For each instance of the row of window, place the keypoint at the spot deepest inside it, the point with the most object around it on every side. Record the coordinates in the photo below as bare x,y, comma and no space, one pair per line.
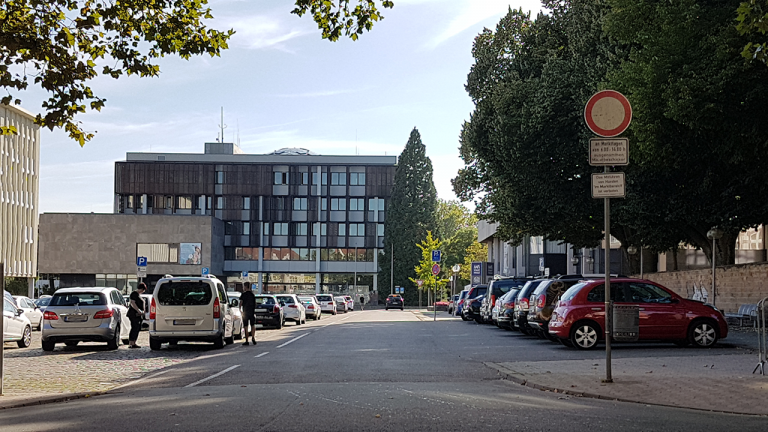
337,179
299,254
202,202
300,229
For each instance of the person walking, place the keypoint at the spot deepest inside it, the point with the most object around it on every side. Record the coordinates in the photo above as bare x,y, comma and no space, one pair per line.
362,303
136,314
248,307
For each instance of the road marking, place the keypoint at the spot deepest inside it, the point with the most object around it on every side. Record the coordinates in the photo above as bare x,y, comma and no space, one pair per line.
212,376
344,319
141,379
262,354
292,340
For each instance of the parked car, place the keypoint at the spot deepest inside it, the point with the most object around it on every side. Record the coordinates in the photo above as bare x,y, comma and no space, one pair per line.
43,303
341,303
350,303
452,304
16,325
31,310
312,307
268,311
237,314
460,302
543,300
394,301
293,308
327,304
520,314
579,317
472,308
505,307
468,313
190,309
90,314
9,297
496,289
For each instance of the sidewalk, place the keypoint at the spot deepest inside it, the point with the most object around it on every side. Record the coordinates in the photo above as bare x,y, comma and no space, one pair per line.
722,383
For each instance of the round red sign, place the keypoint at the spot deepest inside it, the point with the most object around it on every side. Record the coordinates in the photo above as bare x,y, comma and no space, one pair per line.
608,113
436,269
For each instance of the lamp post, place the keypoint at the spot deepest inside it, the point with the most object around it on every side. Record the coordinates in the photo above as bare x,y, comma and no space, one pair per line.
631,250
714,234
575,262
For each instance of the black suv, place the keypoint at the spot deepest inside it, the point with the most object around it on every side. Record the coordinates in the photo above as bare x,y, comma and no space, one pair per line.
543,300
471,309
269,312
496,289
520,315
394,301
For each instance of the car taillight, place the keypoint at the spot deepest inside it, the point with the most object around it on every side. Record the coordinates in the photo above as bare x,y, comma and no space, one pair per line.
540,301
461,302
310,307
524,304
51,316
216,308
106,313
152,309
293,306
493,300
509,305
276,309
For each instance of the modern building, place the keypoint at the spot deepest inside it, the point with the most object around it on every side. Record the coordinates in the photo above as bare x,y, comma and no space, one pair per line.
293,221
19,186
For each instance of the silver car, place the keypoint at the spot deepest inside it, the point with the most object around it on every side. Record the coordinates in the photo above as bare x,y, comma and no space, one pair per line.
85,314
312,307
31,310
327,304
293,308
16,326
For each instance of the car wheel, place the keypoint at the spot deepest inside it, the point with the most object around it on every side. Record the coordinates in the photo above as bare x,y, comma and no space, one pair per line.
386,308
71,343
585,335
229,340
464,318
218,343
114,343
280,324
239,336
40,324
702,334
126,341
154,344
26,338
48,345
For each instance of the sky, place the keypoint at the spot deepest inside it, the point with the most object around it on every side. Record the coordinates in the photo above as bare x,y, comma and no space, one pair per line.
281,85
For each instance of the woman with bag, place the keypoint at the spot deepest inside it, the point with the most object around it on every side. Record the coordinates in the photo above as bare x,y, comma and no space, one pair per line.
136,314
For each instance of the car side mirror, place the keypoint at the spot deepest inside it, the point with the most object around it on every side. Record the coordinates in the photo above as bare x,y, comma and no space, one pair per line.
19,312
282,303
234,303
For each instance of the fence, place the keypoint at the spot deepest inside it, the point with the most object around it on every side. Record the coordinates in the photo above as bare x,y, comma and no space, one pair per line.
762,336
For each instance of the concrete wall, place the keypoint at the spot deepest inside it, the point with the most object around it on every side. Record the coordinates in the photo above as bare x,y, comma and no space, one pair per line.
106,243
736,284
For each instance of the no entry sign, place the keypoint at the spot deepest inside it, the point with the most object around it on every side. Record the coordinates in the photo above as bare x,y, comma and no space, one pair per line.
608,113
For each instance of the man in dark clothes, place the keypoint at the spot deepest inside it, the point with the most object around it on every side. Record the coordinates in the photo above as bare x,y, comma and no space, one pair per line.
136,314
248,306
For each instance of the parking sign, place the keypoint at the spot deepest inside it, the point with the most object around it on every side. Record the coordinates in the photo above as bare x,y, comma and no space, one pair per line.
205,271
436,255
141,261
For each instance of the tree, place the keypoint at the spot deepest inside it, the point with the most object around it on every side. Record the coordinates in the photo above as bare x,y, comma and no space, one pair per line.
431,283
456,226
752,17
61,45
410,215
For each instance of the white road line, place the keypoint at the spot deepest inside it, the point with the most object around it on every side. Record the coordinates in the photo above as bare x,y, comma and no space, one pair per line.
141,379
262,354
292,340
212,376
344,319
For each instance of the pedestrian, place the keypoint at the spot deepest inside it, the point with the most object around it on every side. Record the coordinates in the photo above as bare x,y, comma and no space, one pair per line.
248,308
136,314
362,302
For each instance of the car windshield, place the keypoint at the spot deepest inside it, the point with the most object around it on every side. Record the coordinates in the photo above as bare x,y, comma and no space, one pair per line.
325,298
340,299
505,285
43,301
266,301
286,299
572,291
80,299
307,300
184,293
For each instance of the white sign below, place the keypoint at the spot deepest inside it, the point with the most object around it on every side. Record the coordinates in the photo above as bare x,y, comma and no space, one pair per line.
608,151
608,185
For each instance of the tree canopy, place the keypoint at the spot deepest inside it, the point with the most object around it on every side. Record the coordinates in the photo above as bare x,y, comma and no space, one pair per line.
61,45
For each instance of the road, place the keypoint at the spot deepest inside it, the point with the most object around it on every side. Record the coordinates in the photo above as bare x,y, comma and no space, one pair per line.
372,370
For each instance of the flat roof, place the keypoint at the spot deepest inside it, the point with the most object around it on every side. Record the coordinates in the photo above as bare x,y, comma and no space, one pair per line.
270,159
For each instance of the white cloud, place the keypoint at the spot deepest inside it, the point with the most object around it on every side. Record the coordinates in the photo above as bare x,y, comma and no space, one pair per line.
258,32
317,94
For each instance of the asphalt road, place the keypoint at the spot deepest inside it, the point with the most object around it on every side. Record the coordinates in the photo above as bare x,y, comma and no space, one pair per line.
373,370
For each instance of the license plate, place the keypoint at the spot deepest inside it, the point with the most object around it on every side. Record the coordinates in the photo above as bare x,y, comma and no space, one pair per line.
261,317
260,310
184,322
76,318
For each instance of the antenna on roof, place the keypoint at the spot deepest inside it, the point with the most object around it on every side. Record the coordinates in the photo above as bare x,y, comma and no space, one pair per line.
222,125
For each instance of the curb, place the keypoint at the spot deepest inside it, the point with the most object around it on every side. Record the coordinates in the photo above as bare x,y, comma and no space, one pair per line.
49,400
513,376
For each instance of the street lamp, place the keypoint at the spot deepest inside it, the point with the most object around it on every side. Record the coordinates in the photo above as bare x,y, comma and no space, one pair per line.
456,268
633,250
714,234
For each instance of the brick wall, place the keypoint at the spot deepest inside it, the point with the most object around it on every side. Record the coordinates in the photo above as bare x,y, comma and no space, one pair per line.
736,284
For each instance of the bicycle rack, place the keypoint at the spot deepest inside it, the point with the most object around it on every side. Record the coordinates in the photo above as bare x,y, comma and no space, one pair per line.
762,336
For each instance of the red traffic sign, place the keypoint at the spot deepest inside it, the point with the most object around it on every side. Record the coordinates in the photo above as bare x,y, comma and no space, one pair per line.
436,269
420,282
608,113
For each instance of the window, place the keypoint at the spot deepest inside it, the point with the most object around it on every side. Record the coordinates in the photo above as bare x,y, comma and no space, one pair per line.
315,228
300,229
183,293
339,204
357,204
304,178
246,228
229,228
357,179
163,202
265,228
219,177
537,245
184,202
380,230
375,204
324,178
158,252
246,254
324,204
299,203
338,179
647,293
342,230
356,230
246,203
279,203
281,178
280,228
220,203
597,295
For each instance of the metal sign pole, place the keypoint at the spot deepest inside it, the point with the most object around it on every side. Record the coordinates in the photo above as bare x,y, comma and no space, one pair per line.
2,318
434,303
608,377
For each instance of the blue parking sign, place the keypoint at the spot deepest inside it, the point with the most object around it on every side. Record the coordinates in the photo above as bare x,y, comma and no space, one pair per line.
436,255
205,271
141,261
245,274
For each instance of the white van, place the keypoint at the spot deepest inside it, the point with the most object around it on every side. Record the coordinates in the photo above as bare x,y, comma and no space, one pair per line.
190,309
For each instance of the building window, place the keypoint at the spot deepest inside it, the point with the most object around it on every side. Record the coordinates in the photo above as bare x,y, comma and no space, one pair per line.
342,230
220,203
265,228
324,178
338,204
324,204
357,179
246,228
246,203
375,204
537,244
299,203
300,229
219,177
357,203
280,228
338,179
159,252
184,202
281,178
229,228
280,203
380,230
246,254
356,230
304,178
315,228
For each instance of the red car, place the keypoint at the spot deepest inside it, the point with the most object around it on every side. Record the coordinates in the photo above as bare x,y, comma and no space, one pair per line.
579,316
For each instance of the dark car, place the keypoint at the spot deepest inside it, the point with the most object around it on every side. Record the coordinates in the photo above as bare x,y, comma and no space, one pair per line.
543,300
460,302
468,313
452,303
506,306
269,313
496,289
472,308
394,301
520,314
579,318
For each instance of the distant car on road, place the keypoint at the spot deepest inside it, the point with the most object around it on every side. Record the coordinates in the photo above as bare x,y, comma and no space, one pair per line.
452,304
312,307
460,302
341,304
17,327
293,308
31,310
327,304
471,313
43,303
394,301
268,311
350,303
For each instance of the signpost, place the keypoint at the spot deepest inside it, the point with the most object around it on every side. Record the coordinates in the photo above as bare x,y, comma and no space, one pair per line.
608,114
435,269
435,272
205,271
2,349
245,274
436,255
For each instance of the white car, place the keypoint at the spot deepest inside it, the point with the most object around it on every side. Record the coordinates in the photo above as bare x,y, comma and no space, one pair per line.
312,307
293,308
237,315
16,326
350,303
31,310
326,303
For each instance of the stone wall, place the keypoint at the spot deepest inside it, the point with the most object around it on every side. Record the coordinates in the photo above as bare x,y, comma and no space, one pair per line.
736,284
